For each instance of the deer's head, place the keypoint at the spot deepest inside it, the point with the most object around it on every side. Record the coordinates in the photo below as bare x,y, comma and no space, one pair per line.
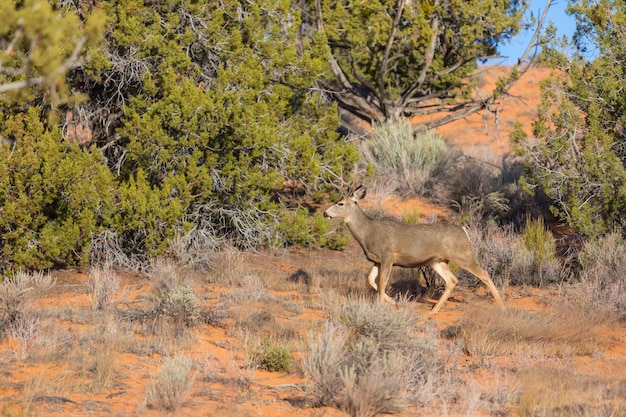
347,205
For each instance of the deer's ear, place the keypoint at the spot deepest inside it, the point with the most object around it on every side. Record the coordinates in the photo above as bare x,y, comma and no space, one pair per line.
358,193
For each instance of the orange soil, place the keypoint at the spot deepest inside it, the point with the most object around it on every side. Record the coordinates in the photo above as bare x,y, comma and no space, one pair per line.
485,135
25,385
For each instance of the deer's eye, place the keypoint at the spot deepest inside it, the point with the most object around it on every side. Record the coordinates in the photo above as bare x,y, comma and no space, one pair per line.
340,204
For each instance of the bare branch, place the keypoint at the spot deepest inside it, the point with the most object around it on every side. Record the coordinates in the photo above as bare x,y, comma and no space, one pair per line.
71,62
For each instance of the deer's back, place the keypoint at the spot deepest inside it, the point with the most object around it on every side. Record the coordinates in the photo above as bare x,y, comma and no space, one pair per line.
416,244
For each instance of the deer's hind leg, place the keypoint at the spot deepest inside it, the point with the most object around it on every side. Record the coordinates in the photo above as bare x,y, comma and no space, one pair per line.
484,277
444,271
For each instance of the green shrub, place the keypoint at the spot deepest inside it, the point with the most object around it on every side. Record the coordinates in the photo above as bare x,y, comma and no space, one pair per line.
179,306
540,242
55,195
300,228
272,358
214,136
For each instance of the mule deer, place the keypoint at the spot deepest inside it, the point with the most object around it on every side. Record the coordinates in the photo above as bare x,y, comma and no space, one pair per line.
388,243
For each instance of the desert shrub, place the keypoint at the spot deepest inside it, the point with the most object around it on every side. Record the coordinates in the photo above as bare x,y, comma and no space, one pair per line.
514,259
195,249
170,388
271,357
108,252
103,285
180,306
474,190
496,249
172,308
16,291
395,152
538,239
366,360
477,208
540,243
325,356
602,288
202,142
25,332
55,197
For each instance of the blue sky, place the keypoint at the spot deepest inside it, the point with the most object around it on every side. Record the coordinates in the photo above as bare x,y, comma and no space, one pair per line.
565,25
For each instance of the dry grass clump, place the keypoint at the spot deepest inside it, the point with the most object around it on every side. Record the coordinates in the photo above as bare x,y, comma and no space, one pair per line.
103,285
367,360
565,393
228,264
26,335
602,288
195,249
170,388
558,332
246,289
17,290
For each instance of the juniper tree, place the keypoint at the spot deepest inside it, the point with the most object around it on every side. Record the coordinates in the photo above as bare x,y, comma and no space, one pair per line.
392,59
579,151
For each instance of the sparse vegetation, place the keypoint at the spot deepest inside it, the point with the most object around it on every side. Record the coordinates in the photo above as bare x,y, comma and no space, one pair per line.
104,285
557,332
170,388
178,148
366,360
362,358
602,289
16,290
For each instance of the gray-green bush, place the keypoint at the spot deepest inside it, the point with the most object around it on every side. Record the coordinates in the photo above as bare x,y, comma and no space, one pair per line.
170,388
367,360
408,161
602,288
510,259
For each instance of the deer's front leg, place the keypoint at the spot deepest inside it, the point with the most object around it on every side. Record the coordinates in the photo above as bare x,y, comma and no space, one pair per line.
383,278
371,278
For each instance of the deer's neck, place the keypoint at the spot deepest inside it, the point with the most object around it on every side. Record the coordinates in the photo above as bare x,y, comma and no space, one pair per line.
359,224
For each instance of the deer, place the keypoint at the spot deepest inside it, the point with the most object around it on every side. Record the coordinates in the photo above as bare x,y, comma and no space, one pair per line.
389,243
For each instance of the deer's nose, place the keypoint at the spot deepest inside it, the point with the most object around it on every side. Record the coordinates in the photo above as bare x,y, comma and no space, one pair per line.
326,215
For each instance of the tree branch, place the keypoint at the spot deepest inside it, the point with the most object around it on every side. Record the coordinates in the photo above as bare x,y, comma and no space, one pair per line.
70,63
428,59
509,83
382,70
